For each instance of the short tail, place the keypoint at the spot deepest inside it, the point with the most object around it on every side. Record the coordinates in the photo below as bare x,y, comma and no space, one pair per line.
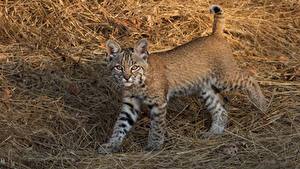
219,19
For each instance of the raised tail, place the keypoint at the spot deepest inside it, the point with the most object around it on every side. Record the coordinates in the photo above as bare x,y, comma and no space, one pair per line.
219,19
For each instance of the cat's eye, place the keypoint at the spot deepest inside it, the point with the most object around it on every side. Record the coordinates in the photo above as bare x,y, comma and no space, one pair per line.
134,67
118,67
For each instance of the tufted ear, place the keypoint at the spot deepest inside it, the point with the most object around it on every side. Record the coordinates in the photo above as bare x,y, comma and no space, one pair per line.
112,47
141,49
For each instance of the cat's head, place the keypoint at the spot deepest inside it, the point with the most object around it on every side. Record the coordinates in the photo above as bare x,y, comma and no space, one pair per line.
128,65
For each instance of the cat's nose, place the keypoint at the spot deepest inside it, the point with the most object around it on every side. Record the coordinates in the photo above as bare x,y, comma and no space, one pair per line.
126,77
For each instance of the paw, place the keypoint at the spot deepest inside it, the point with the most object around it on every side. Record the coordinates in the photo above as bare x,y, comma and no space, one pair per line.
264,105
207,135
210,134
107,149
153,147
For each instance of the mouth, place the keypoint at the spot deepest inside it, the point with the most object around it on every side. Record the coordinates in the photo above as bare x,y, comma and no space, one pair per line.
127,84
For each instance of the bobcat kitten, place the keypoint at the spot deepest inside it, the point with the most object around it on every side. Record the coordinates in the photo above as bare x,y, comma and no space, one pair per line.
203,66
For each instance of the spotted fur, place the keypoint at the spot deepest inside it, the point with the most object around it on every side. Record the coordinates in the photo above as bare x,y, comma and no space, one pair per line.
204,66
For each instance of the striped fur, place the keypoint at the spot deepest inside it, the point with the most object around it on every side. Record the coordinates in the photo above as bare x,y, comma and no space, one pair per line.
128,116
204,66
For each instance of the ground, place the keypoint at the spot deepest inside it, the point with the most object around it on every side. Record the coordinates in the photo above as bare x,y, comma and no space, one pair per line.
58,102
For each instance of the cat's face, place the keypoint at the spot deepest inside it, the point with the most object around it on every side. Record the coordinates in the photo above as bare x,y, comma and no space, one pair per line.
128,66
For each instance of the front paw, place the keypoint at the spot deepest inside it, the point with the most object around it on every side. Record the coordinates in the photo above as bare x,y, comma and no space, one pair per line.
153,147
207,135
108,149
211,134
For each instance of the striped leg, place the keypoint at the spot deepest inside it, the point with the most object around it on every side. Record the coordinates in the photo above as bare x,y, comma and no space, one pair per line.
213,102
158,124
125,121
255,94
247,83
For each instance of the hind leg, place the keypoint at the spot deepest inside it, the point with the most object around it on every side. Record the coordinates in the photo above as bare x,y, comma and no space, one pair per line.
247,83
214,105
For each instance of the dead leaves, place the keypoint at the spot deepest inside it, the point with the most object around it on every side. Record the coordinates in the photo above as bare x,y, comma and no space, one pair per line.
232,149
73,89
6,95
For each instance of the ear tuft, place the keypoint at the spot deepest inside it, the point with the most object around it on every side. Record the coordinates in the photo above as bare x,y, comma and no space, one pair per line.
141,48
112,47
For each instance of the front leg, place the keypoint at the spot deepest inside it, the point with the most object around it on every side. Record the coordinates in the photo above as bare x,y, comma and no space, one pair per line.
125,121
158,124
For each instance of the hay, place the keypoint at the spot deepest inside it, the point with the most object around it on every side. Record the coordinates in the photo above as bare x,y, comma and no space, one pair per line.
58,102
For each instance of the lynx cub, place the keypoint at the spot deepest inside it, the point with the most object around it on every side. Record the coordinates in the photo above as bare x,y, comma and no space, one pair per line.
201,66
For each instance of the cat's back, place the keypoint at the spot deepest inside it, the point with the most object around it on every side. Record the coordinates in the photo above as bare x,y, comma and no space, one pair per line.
200,49
193,60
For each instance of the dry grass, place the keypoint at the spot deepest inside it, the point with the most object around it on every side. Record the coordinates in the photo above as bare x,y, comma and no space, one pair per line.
58,102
